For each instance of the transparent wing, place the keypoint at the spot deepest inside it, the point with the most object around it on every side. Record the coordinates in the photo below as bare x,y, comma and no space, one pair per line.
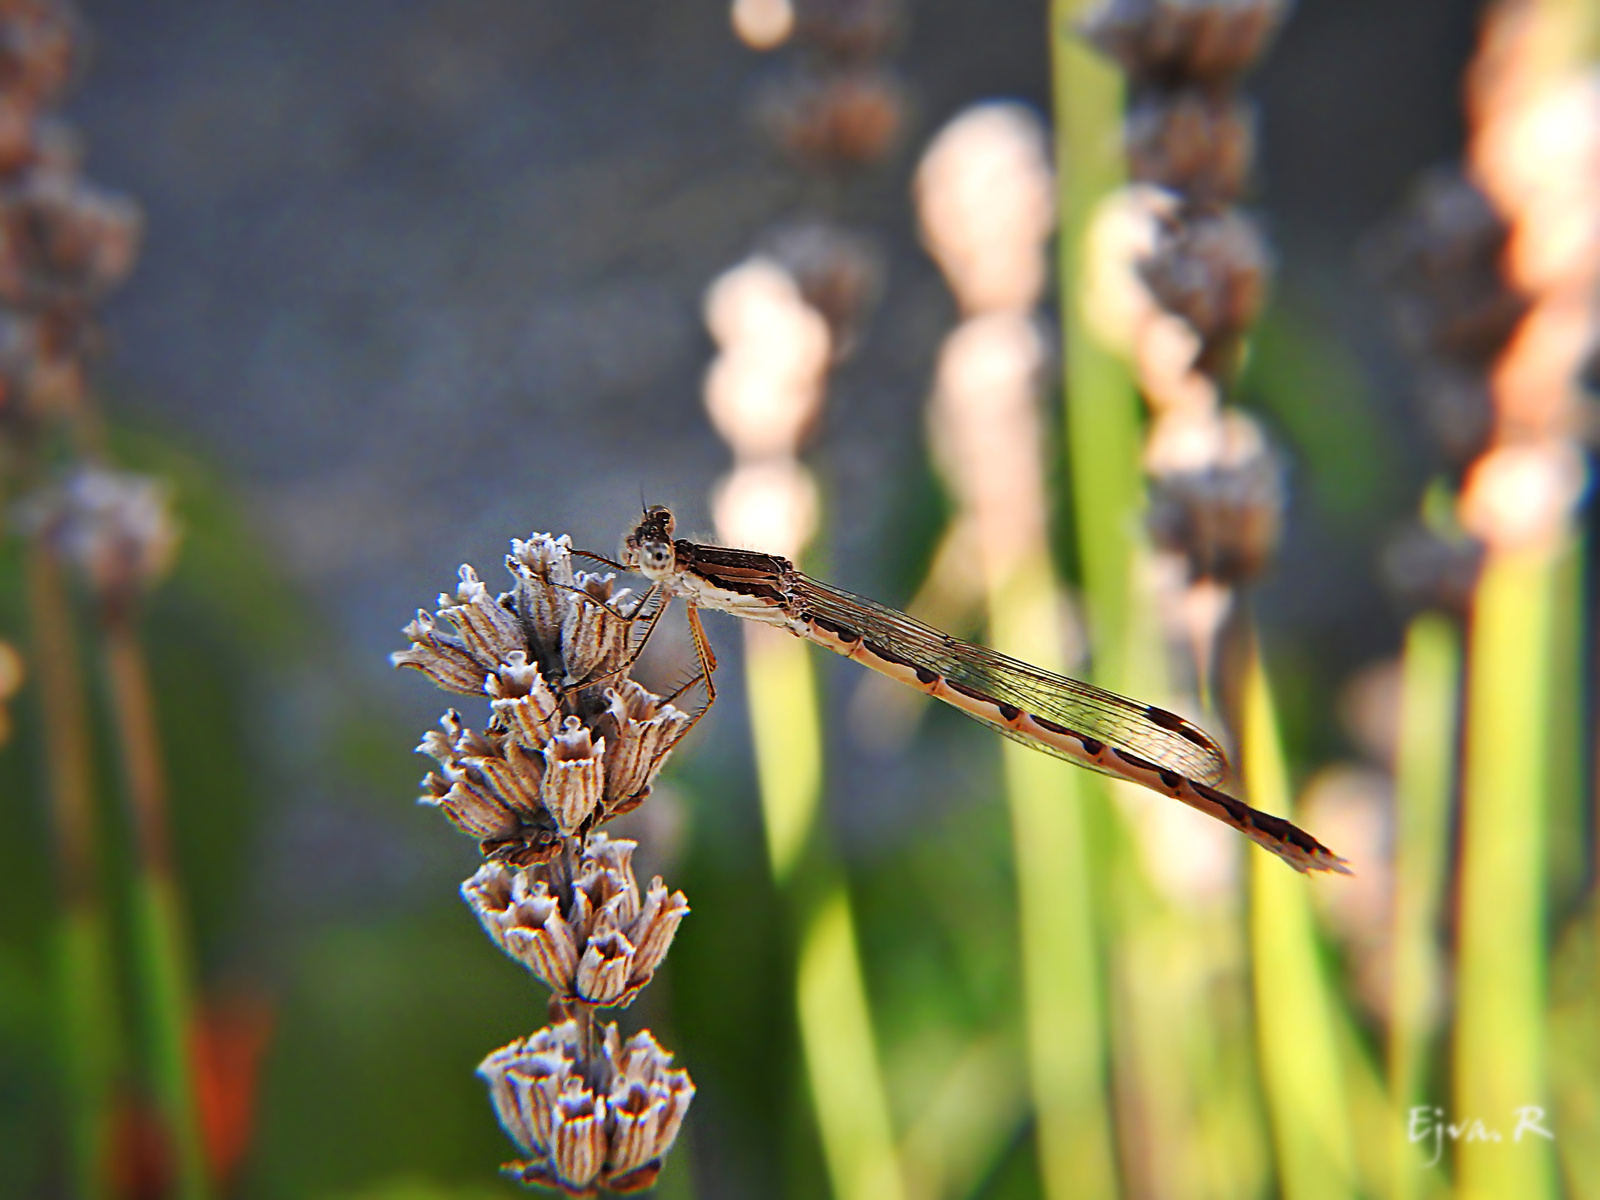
1143,730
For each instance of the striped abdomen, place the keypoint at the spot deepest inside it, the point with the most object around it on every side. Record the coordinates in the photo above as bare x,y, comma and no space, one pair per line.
1290,843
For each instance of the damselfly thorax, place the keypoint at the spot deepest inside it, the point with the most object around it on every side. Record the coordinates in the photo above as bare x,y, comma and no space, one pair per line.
1064,717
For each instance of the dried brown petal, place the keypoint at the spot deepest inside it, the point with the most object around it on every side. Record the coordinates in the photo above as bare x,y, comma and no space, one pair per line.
653,930
1457,407
648,1104
839,273
578,1144
523,701
1425,569
605,969
1224,519
490,632
574,776
37,51
605,881
1440,261
490,787
62,241
441,657
594,635
641,732
855,29
542,567
524,1079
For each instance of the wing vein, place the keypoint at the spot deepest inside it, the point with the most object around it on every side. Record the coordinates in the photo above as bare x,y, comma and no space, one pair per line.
1080,707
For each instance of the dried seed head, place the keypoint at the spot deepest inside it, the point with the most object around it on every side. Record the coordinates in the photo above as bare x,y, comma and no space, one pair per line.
1456,407
37,52
1426,569
848,29
62,241
583,1131
764,391
115,527
836,119
1212,271
1184,41
763,24
839,274
571,740
1225,517
1439,260
1191,142
1522,494
985,193
590,938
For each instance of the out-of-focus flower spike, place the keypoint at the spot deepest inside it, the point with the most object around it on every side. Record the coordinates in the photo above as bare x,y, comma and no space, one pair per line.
1209,41
1191,141
115,527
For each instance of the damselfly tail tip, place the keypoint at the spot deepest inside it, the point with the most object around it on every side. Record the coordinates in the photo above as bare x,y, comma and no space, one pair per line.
1306,859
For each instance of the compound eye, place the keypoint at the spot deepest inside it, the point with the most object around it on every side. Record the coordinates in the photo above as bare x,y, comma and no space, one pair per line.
658,555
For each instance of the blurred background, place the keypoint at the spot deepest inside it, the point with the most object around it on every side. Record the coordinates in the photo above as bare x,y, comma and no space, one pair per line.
416,278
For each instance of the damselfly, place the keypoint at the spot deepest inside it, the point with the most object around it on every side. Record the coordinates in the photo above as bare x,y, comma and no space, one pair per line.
1075,721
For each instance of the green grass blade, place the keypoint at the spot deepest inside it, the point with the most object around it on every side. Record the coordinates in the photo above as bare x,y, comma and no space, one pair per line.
1500,974
1424,783
1298,1041
86,996
1102,411
836,1035
842,1058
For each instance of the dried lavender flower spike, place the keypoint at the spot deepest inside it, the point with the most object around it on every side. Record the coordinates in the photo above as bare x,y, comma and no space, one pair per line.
1206,40
607,1130
589,938
572,741
115,527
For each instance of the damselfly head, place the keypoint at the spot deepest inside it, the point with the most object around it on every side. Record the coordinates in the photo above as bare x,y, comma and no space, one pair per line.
648,549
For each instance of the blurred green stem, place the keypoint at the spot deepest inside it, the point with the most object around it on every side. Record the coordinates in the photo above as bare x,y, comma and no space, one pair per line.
1424,782
832,1007
1502,943
85,1010
1060,958
1298,1041
161,950
1102,411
